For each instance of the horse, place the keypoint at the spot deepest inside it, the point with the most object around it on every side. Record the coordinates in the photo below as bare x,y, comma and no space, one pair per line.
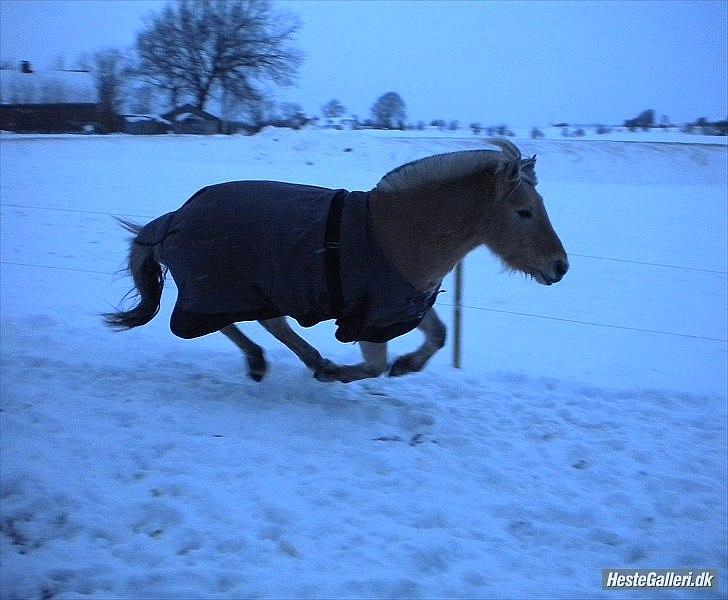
374,261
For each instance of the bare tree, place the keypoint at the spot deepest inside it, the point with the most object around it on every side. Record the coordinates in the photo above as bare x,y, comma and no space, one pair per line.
292,115
142,101
333,109
109,74
200,47
389,111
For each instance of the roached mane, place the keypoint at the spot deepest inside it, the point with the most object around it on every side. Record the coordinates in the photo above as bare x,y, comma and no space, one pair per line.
455,165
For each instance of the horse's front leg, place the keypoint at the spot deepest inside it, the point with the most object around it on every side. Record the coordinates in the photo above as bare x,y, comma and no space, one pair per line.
375,363
435,333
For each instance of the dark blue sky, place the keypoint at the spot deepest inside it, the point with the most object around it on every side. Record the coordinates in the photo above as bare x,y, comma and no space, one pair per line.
521,63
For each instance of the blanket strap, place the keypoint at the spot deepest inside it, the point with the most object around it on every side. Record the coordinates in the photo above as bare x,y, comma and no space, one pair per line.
332,256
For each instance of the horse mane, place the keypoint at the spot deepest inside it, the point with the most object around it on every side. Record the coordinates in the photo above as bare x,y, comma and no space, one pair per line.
450,166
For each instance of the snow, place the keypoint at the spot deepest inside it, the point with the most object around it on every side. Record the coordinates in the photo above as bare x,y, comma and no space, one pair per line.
586,430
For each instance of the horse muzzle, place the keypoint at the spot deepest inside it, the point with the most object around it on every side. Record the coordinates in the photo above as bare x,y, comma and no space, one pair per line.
555,274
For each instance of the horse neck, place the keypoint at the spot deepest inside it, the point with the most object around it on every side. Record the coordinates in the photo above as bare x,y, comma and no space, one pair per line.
426,231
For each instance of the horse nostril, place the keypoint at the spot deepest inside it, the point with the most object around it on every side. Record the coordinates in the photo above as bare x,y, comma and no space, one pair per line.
560,268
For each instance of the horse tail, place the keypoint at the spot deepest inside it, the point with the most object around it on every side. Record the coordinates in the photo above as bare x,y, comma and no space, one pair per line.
148,276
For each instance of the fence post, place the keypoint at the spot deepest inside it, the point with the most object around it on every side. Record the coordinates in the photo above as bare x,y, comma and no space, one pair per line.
457,316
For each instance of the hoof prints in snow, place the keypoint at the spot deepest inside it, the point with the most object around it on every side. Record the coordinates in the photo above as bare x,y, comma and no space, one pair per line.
140,483
415,440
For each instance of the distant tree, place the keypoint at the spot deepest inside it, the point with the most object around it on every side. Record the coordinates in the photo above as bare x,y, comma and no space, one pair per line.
259,114
644,121
200,47
389,111
142,100
706,127
536,133
453,125
293,115
333,109
476,127
420,125
108,71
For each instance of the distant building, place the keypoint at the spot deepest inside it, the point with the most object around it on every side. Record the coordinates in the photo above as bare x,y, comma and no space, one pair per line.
48,101
144,124
338,123
189,119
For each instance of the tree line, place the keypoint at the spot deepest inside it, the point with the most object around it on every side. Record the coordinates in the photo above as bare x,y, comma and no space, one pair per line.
192,51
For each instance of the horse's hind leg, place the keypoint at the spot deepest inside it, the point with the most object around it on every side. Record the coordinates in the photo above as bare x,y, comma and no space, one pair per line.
254,353
435,333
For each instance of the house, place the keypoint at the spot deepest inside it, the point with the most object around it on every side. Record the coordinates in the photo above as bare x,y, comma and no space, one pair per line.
47,102
189,119
144,124
338,123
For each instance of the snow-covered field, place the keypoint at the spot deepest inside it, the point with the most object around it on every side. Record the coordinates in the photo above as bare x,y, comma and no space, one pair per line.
586,430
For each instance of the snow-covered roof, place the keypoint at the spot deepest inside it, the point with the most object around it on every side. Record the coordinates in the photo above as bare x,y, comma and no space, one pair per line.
189,113
188,116
47,87
144,118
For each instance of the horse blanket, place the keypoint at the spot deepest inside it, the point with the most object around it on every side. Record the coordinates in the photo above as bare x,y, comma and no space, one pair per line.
254,250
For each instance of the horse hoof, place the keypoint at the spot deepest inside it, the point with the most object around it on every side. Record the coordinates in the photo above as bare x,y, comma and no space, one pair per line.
402,366
257,368
326,372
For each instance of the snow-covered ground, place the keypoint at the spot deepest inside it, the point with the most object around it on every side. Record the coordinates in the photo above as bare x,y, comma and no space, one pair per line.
586,430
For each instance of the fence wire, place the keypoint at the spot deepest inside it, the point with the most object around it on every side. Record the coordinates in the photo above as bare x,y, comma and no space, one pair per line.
121,213
464,306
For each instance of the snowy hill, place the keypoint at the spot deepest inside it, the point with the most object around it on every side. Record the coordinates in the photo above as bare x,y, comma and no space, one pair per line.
587,429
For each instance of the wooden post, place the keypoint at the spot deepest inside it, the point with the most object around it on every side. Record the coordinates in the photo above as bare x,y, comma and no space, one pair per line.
457,316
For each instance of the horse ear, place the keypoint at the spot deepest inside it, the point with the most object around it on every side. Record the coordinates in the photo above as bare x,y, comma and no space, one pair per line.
528,163
508,177
528,169
512,170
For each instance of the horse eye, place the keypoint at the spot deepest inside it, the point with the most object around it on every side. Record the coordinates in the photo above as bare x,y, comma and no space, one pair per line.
525,214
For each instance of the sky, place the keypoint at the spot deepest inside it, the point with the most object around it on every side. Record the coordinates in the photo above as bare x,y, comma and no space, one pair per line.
502,62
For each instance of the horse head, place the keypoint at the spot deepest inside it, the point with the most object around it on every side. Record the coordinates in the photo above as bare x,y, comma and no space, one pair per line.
517,228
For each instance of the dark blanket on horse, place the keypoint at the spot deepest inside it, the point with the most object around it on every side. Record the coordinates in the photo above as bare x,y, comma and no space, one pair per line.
254,250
